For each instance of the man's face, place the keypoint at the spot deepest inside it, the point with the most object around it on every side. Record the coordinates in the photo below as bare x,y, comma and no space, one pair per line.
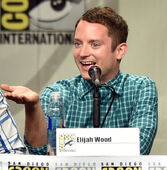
93,46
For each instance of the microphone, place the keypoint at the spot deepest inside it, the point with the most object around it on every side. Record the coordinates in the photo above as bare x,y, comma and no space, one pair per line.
95,74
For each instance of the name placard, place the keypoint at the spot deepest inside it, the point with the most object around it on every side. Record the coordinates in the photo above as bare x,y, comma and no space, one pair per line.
97,142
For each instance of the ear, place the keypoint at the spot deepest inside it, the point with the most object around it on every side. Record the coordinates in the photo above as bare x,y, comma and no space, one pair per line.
121,50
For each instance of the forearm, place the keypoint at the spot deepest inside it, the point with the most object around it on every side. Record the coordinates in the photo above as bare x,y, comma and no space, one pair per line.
147,136
145,116
35,125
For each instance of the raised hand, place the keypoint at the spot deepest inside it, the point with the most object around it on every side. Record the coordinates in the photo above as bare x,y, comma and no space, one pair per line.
20,94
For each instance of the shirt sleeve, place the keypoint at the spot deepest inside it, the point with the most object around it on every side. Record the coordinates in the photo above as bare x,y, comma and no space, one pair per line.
10,140
36,151
145,114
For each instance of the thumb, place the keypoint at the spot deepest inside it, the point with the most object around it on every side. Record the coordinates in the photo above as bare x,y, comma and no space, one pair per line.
6,87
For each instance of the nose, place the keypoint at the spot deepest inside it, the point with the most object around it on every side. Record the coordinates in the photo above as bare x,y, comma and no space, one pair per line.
85,51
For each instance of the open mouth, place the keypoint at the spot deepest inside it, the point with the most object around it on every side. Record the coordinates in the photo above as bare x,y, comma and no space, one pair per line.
88,63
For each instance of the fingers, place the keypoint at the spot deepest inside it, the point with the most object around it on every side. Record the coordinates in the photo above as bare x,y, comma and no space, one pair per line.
18,100
11,94
16,97
7,87
20,94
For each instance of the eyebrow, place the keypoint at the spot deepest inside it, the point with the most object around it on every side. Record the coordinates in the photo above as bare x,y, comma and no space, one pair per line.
93,40
77,39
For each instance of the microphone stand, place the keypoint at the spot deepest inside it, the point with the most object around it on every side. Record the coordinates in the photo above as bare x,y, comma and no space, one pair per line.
96,107
95,73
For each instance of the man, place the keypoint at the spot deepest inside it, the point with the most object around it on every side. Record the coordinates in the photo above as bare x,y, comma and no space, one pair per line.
10,140
100,40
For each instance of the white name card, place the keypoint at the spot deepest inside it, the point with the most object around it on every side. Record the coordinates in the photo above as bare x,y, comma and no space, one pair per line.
97,142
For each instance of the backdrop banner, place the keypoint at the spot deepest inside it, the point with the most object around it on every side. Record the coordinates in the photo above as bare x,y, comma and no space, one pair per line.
28,22
34,162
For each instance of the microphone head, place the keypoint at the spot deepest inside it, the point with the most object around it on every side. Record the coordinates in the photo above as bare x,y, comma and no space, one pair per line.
95,74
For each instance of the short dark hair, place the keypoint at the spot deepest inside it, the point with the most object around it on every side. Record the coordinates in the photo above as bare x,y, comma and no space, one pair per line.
117,26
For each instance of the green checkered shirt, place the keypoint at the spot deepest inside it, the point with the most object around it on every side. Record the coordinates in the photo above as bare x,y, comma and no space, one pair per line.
135,105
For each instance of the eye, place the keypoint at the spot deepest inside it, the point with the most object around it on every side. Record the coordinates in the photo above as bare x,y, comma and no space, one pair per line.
77,43
95,44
